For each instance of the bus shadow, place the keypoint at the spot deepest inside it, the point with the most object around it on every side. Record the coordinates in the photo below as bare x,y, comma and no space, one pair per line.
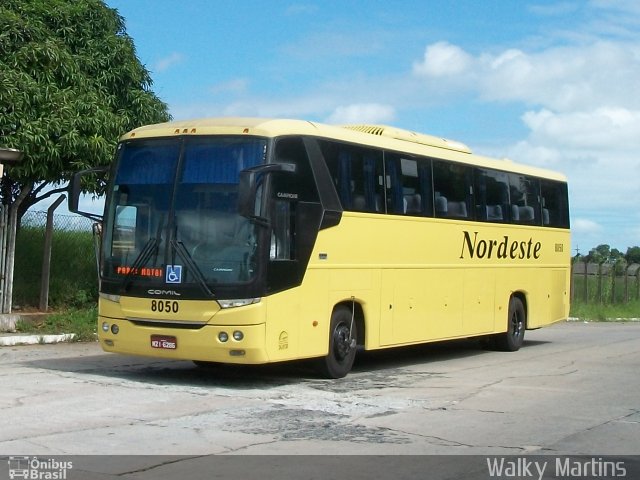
160,372
406,356
153,371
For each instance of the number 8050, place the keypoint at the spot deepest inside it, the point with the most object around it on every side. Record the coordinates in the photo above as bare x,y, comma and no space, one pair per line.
164,306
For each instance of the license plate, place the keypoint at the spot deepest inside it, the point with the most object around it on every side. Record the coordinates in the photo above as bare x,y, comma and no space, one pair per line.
164,342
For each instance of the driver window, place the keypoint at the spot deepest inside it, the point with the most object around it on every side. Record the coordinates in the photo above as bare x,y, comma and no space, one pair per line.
286,191
282,233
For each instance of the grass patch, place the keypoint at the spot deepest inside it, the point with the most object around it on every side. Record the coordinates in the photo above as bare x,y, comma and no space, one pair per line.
73,280
82,322
603,313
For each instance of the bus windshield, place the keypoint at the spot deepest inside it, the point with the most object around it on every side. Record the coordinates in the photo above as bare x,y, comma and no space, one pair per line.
172,217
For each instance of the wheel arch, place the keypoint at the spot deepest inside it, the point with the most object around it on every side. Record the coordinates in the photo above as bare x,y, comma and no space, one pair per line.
522,296
358,317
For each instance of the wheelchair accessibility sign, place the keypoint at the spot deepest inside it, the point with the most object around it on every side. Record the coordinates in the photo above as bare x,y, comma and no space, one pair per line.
173,274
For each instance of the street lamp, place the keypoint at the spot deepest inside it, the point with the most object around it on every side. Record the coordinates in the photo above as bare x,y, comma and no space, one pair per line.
10,156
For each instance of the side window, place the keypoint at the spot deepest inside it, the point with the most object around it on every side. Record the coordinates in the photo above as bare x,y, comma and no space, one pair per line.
286,191
292,150
491,194
282,234
358,176
452,189
555,204
524,192
408,185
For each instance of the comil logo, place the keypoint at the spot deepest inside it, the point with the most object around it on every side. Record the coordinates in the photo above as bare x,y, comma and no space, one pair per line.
38,469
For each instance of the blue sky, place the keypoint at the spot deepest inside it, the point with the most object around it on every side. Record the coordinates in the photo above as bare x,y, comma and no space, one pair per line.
548,83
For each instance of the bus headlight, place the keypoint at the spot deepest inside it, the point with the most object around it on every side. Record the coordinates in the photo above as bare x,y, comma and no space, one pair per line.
238,335
238,302
111,298
223,336
105,327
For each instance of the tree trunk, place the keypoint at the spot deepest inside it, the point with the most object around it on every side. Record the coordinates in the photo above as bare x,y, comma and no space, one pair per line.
11,248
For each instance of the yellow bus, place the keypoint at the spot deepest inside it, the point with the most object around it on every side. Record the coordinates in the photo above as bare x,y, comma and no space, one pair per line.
244,240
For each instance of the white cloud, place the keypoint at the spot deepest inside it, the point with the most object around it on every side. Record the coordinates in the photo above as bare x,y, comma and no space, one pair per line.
564,78
586,226
536,154
626,6
443,59
362,113
604,128
581,107
169,61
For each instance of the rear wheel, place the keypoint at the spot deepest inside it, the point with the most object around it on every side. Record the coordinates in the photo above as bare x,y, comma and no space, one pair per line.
342,344
512,339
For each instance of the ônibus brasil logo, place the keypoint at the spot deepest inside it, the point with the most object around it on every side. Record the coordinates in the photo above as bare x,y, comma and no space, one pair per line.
38,469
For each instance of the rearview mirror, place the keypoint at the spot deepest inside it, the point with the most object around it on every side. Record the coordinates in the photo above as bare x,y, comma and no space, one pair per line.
75,189
248,187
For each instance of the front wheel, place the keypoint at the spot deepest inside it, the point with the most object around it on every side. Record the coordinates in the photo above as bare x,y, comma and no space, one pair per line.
342,345
512,339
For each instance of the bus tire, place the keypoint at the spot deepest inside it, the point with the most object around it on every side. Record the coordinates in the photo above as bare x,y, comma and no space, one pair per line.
342,345
512,339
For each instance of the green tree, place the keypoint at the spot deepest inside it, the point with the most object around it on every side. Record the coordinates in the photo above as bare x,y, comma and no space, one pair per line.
70,84
604,254
633,255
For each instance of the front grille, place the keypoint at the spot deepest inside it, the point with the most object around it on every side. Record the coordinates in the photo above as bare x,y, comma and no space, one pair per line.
145,322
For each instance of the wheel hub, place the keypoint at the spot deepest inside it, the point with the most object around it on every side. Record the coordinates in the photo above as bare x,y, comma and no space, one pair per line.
341,341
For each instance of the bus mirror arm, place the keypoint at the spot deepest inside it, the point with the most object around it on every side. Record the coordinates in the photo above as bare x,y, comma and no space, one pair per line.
258,220
75,189
248,187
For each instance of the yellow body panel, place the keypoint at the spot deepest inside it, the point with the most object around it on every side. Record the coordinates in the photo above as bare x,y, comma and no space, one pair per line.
414,279
416,283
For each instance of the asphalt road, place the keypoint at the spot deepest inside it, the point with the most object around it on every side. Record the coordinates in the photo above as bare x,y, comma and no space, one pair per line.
572,389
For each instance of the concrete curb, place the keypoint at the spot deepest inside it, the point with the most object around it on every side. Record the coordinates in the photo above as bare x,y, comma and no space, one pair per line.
576,319
12,340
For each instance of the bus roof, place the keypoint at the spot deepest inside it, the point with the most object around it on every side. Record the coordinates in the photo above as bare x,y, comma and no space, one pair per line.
380,136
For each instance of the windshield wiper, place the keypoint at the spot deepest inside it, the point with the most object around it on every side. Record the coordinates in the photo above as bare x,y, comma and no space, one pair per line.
182,252
143,257
150,248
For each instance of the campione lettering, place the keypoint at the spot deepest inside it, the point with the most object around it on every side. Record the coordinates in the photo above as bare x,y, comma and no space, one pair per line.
505,248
